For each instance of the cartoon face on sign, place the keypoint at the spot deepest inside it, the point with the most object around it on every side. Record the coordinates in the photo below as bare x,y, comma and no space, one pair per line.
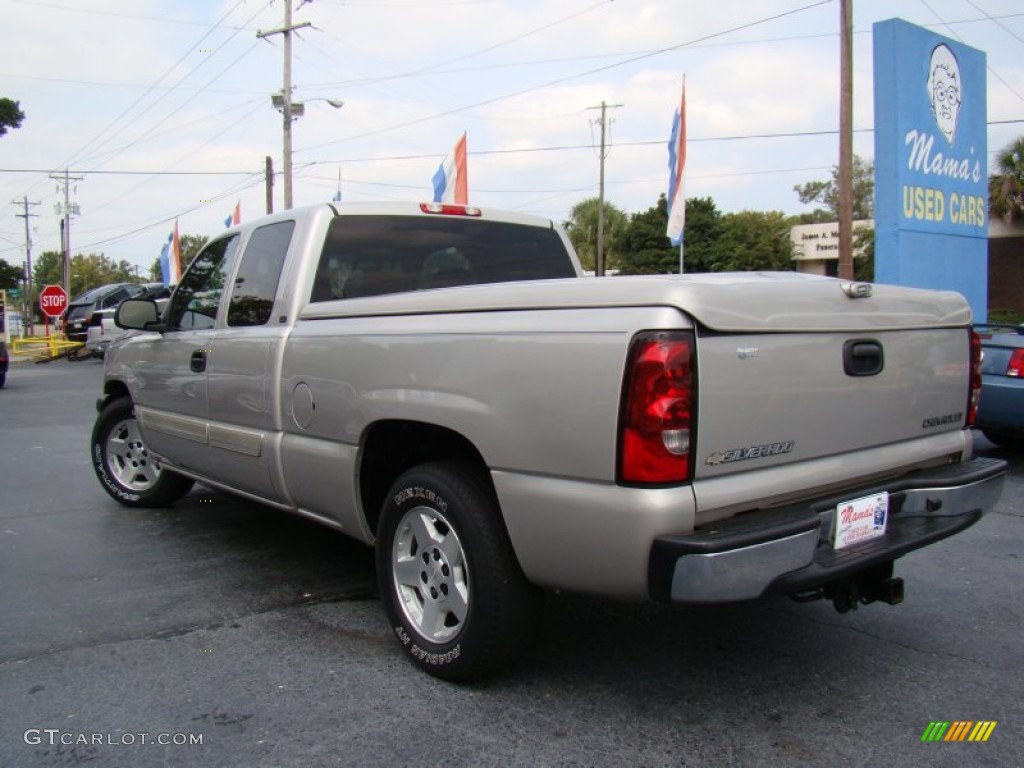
945,90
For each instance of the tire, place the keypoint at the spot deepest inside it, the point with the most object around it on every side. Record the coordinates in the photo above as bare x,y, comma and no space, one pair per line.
451,586
123,465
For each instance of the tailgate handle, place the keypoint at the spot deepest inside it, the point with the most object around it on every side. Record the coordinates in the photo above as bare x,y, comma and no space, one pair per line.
863,357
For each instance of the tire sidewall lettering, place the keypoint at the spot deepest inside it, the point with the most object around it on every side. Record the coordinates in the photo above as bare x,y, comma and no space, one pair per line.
419,492
101,470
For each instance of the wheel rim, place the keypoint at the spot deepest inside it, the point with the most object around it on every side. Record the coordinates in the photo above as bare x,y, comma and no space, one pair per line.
127,458
428,565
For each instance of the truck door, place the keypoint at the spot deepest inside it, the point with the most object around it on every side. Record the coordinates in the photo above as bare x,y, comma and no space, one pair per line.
172,395
244,423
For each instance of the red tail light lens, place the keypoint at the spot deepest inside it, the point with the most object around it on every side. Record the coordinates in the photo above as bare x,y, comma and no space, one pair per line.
658,409
1016,364
975,393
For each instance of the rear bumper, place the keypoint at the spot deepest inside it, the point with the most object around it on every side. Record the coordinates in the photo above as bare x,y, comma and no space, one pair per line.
789,550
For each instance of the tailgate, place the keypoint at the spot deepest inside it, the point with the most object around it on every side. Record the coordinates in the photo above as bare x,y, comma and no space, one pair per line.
767,399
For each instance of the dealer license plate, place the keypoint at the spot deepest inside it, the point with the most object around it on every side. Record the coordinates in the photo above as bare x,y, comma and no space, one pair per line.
859,520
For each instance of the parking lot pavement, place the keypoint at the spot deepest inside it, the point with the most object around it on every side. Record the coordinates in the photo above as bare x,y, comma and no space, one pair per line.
260,636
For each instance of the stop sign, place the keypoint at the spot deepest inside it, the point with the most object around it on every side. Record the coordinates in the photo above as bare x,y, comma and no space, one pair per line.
53,301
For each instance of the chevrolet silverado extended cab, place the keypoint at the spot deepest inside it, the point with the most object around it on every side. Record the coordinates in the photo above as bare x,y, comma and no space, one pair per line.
442,383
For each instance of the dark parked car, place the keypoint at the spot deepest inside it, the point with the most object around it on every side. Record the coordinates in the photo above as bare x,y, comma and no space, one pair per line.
3,363
80,310
102,331
1001,411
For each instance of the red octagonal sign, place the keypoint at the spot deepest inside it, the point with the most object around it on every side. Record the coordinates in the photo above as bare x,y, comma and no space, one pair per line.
53,301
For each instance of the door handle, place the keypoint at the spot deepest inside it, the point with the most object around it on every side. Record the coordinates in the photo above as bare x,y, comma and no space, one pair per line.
198,364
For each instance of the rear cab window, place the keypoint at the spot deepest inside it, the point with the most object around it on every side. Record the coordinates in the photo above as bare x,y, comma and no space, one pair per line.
252,297
375,255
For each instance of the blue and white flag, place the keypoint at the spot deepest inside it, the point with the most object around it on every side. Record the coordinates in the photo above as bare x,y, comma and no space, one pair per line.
451,183
676,164
165,262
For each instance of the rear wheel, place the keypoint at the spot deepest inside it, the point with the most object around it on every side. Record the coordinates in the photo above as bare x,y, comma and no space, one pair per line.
123,464
452,589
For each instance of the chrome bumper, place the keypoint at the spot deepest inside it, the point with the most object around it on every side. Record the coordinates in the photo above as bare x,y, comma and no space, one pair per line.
789,549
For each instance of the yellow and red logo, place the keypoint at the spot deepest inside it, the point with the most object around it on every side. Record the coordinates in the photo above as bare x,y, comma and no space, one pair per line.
959,730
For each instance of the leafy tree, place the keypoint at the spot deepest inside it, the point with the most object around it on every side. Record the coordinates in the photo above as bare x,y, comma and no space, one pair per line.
582,230
46,269
10,276
11,115
864,254
701,234
826,193
753,240
647,250
1006,185
87,271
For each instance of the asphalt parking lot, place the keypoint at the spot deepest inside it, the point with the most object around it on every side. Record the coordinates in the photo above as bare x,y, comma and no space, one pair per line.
221,633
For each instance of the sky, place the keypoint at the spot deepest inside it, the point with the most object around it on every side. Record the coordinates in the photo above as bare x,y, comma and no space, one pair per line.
160,110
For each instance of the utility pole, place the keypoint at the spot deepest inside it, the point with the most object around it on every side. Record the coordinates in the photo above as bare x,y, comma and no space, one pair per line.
283,101
846,140
26,302
599,259
269,176
66,211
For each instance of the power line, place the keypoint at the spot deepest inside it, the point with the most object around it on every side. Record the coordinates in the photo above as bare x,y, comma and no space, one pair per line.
478,152
567,78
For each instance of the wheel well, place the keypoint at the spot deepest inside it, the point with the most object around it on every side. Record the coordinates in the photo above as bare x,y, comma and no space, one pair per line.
392,447
112,390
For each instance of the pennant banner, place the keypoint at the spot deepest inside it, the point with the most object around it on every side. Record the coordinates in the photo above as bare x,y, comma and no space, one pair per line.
676,164
451,184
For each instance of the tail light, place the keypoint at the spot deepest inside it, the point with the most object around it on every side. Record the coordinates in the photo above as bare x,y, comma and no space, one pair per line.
1016,365
657,420
975,393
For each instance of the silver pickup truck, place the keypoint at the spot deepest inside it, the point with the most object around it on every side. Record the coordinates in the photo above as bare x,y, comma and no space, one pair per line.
441,382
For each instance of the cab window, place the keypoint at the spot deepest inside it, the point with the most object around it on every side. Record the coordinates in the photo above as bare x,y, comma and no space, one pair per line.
252,298
195,302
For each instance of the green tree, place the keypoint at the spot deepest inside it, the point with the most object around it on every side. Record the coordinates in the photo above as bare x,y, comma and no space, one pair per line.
826,193
10,276
46,269
864,254
582,230
1006,185
701,235
753,240
11,115
646,248
88,270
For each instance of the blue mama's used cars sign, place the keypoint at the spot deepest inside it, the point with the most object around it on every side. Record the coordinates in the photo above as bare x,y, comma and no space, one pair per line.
931,170
932,96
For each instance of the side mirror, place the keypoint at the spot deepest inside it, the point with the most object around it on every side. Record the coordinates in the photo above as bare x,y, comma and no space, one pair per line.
137,315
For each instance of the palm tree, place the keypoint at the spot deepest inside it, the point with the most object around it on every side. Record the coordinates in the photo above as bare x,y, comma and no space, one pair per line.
1006,186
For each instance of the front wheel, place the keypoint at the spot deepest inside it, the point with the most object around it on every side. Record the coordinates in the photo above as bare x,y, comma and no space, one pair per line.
452,588
123,464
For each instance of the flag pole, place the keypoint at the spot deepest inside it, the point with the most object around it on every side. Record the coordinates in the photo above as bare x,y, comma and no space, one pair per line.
682,127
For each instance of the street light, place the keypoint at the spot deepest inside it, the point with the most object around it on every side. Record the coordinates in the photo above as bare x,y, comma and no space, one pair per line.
290,110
